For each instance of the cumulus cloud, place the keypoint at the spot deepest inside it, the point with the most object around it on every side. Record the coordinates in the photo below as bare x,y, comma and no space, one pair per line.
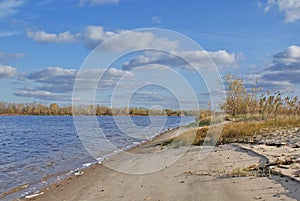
139,40
56,83
197,58
92,36
50,84
7,71
289,56
291,8
203,58
283,73
6,57
54,75
153,57
44,37
61,76
9,7
95,35
269,85
96,2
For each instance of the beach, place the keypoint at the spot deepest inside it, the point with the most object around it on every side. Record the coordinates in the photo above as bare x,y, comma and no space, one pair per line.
218,176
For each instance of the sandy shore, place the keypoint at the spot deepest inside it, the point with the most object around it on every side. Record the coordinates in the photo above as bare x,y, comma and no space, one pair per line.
149,172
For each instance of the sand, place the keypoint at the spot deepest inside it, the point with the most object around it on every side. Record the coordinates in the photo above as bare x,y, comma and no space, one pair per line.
150,172
284,160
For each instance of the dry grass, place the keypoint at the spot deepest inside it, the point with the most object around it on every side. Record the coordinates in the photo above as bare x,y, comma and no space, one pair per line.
184,139
284,121
235,131
253,171
239,131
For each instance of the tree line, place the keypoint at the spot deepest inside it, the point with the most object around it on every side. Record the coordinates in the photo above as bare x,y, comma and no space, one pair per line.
55,109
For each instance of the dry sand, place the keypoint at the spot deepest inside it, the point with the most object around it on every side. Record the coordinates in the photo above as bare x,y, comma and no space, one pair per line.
188,178
284,160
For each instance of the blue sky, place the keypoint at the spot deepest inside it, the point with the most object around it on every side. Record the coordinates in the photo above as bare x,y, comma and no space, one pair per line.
44,44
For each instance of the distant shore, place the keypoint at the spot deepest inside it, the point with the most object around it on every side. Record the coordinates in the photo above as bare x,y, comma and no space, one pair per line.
11,114
86,109
220,176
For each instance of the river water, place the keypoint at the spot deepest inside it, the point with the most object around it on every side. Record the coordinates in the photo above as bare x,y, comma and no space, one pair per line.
35,150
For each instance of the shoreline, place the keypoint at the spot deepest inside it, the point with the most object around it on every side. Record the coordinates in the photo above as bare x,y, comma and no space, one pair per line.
32,189
159,138
99,181
71,115
171,132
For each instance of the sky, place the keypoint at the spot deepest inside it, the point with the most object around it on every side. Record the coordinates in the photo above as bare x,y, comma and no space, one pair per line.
145,53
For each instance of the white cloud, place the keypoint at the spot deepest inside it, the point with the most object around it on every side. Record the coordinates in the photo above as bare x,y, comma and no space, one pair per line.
7,71
154,58
95,35
262,79
222,57
291,8
5,57
197,58
202,58
92,36
283,73
43,37
43,95
289,56
9,7
58,75
96,2
139,40
53,75
7,34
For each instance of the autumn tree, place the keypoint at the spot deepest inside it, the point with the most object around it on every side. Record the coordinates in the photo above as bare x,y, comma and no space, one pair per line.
237,98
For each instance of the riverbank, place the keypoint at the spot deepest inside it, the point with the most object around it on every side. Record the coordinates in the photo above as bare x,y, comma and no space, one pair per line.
220,176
